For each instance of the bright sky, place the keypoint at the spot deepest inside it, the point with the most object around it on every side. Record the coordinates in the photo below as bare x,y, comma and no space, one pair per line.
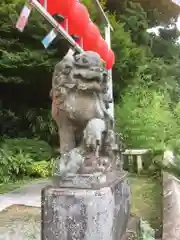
178,23
155,30
177,2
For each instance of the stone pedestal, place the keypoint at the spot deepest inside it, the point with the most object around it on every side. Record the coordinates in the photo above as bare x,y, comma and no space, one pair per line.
86,207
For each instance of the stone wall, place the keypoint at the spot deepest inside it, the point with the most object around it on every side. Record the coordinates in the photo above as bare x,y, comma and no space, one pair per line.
171,207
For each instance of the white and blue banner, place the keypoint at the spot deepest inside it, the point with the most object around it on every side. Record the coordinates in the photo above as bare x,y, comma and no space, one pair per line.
49,38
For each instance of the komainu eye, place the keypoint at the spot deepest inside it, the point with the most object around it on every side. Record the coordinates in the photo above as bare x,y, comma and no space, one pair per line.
85,60
77,57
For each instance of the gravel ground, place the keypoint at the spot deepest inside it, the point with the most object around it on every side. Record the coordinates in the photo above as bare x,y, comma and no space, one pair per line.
20,223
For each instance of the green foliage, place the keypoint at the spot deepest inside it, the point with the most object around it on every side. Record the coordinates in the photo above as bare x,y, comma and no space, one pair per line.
8,122
93,10
171,168
136,23
164,46
25,77
13,166
158,12
33,123
41,124
128,57
146,199
40,169
24,157
145,119
22,52
36,149
147,233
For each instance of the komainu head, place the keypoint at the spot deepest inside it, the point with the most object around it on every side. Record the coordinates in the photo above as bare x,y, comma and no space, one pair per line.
88,59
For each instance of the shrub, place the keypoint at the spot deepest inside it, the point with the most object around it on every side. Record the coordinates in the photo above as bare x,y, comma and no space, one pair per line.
145,119
36,149
28,123
41,125
13,166
10,122
147,233
40,169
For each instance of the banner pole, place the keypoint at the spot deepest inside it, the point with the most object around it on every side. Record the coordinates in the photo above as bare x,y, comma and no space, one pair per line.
110,83
54,23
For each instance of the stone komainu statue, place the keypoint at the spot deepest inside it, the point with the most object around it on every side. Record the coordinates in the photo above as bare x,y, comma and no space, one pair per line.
80,104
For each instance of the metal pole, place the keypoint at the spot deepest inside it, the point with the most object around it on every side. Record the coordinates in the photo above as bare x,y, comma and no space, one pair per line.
110,83
45,4
55,24
101,11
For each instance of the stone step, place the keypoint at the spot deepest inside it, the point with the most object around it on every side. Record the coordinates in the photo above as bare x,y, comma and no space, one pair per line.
133,229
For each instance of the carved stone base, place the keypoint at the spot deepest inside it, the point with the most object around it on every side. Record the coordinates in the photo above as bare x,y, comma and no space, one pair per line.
86,207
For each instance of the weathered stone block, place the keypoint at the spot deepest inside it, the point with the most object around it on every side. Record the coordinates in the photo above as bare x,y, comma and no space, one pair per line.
86,212
171,207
